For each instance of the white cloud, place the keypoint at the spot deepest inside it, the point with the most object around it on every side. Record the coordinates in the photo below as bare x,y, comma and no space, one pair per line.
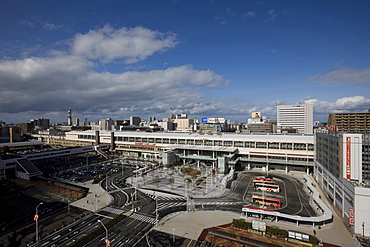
130,44
50,26
271,15
250,14
343,76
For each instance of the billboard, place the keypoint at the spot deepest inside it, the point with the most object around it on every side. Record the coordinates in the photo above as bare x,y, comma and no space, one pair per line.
256,114
259,225
348,158
212,120
351,217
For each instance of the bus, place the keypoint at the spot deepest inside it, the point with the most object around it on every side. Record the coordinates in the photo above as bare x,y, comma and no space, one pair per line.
266,201
262,178
267,187
254,181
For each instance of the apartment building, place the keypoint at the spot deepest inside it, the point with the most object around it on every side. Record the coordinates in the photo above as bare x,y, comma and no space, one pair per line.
350,122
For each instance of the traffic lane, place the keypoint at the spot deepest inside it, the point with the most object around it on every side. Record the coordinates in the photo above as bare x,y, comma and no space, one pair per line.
71,233
125,233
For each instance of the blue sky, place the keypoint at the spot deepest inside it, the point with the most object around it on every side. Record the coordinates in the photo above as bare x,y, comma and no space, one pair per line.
203,58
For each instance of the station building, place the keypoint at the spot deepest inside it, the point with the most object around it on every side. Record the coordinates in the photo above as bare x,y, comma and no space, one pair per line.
246,151
342,169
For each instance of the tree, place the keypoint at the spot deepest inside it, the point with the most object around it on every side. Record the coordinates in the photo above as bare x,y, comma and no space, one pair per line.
5,149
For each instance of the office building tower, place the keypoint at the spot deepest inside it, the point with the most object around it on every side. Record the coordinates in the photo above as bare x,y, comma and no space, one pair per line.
297,117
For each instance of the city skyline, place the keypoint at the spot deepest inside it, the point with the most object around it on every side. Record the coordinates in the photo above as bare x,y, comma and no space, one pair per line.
202,58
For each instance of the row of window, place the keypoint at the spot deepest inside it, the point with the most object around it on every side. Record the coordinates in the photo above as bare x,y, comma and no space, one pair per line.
220,143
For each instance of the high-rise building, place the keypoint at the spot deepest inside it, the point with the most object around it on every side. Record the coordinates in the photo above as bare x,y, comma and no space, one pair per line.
106,124
40,123
69,123
298,117
350,122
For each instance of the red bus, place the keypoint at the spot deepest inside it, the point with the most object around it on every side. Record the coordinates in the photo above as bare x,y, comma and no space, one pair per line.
267,187
266,201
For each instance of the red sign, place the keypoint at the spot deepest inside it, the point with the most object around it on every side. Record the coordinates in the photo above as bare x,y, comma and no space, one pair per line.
332,128
348,158
351,217
145,144
36,218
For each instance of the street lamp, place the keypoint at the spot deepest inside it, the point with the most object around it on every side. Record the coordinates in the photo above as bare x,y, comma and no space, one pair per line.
107,242
36,218
363,229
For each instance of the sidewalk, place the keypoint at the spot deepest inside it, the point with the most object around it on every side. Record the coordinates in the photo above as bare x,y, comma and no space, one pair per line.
92,202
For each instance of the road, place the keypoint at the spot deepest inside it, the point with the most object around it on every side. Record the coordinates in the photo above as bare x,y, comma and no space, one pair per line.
133,229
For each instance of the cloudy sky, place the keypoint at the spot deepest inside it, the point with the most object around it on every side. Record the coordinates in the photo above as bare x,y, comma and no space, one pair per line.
200,57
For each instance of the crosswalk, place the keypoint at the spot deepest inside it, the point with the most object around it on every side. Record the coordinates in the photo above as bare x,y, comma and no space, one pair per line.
165,198
113,210
163,205
144,218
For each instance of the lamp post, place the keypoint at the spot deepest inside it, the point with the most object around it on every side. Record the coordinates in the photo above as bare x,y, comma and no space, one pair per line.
363,229
36,218
107,242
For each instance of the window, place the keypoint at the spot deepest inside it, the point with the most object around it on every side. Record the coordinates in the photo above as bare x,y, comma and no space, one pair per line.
181,141
158,140
286,146
299,146
228,143
208,143
239,144
261,144
273,145
218,143
190,141
199,142
250,144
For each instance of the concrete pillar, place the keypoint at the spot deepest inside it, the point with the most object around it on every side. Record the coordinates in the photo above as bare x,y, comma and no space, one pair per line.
286,169
297,223
112,141
307,170
249,166
97,137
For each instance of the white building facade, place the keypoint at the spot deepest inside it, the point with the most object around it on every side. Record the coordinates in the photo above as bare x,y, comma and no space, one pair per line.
296,117
341,161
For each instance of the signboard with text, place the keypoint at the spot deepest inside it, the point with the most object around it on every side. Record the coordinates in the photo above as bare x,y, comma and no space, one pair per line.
351,217
348,157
